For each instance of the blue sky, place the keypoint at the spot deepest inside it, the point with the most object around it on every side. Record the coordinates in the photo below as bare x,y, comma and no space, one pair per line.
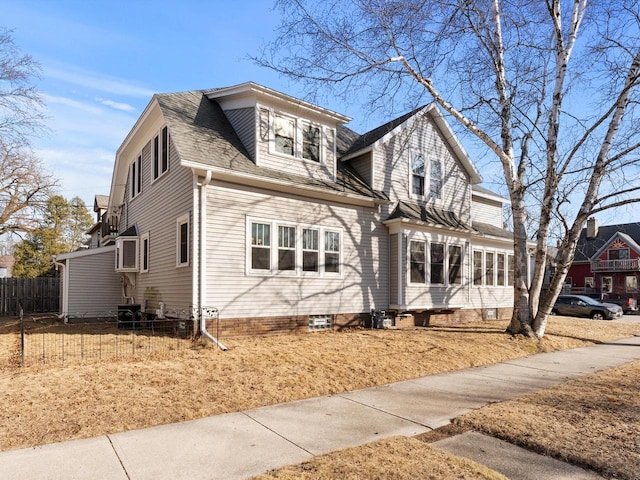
102,61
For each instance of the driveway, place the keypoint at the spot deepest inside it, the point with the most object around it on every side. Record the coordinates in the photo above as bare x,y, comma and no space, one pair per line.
627,318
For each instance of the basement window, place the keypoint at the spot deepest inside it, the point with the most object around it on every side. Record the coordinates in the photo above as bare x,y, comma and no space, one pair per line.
320,322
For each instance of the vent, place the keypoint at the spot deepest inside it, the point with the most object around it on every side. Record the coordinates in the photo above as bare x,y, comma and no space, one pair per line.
320,322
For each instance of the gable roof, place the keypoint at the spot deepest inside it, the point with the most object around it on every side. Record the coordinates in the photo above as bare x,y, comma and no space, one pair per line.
618,235
204,138
587,248
378,135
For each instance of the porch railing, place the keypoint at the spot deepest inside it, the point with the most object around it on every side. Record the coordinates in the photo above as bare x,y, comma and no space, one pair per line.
626,265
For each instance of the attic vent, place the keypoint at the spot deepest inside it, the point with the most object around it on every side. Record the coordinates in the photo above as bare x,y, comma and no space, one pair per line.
320,322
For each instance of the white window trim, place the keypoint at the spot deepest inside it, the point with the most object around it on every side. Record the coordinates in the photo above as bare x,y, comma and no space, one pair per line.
120,241
473,268
505,268
144,238
156,164
447,267
491,284
181,220
298,140
135,178
428,160
297,271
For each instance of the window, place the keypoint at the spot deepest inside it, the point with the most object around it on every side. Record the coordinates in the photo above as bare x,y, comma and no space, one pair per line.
437,263
500,269
160,153
489,269
144,253
589,282
477,267
607,284
260,246
284,129
310,142
619,254
435,179
309,250
455,265
127,254
332,252
417,174
286,248
182,240
631,283
135,175
511,271
417,261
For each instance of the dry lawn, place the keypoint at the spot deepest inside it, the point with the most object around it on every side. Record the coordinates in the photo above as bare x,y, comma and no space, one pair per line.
45,404
592,421
398,458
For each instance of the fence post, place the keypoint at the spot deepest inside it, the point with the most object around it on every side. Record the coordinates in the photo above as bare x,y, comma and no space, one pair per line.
22,337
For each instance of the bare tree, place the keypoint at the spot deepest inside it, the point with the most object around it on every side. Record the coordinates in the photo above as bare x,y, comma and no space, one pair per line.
550,87
24,185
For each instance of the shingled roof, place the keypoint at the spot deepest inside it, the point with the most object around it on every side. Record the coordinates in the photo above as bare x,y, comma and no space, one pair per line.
203,135
429,215
588,247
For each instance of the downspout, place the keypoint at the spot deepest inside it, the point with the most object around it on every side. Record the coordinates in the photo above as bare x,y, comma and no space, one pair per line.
63,314
202,197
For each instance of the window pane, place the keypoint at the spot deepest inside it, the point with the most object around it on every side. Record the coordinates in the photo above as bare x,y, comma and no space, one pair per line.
284,133
417,261
310,261
165,150
145,254
261,234
417,170
455,265
631,283
184,243
311,143
437,263
332,252
309,239
286,259
435,180
477,268
260,258
489,279
286,237
510,273
155,156
129,253
501,268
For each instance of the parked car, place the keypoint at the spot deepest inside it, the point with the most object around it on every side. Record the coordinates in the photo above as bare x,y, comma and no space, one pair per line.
583,306
628,304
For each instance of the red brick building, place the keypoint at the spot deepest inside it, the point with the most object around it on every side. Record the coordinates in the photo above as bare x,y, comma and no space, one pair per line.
607,260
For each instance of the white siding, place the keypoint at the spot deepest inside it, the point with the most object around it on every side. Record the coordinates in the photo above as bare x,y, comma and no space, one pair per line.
94,286
243,121
268,158
392,168
364,281
155,211
487,211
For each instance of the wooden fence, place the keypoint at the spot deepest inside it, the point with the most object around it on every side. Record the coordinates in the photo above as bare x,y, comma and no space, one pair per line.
36,295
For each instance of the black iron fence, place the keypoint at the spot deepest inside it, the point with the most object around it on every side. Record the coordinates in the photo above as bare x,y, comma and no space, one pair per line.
104,336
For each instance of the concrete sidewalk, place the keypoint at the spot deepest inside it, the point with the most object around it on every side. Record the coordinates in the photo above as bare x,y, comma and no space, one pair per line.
240,445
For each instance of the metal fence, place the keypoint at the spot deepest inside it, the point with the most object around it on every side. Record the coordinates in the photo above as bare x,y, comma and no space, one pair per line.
106,336
35,295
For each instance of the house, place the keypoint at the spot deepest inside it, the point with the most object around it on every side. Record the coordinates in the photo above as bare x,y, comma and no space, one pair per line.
607,260
270,210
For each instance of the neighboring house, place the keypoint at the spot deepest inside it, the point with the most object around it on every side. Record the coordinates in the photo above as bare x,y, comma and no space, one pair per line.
6,262
100,206
270,210
607,260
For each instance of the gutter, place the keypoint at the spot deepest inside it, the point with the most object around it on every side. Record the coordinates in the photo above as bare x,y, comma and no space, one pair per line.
63,314
201,214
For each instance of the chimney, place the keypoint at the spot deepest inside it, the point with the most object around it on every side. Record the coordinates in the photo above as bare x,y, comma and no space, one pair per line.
592,228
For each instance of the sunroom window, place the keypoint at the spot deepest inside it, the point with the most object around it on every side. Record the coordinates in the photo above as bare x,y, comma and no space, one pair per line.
332,252
260,246
309,250
286,248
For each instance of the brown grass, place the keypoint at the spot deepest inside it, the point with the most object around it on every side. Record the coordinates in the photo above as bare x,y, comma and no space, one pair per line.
44,404
398,458
593,421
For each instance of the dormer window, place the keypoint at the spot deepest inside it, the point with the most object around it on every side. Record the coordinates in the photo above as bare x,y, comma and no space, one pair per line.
310,142
284,128
297,138
417,174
